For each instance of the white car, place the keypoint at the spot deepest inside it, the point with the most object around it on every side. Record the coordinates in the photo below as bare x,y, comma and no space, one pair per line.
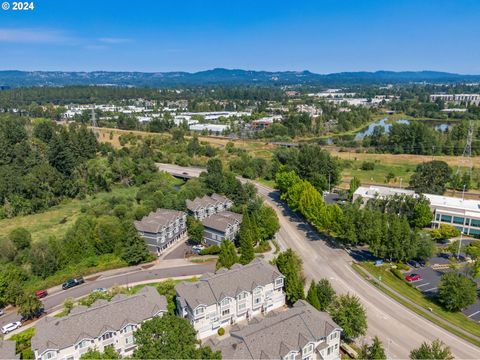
1,312
99,290
197,248
10,327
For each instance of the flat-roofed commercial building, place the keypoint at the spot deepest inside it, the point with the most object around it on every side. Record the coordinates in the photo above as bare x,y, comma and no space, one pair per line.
464,214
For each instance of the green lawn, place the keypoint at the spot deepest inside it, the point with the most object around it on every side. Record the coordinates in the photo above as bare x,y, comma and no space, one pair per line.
379,173
58,219
455,318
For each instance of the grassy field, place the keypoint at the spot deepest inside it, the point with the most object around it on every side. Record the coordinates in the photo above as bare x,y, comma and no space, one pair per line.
455,318
58,219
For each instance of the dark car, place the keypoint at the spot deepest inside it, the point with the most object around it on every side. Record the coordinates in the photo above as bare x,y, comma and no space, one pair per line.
414,263
34,315
71,283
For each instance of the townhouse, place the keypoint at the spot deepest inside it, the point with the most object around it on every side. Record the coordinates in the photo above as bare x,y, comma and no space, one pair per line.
230,296
221,226
201,208
162,228
104,324
299,333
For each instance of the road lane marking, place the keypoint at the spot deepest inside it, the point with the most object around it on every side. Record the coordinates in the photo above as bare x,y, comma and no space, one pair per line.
434,288
423,285
475,313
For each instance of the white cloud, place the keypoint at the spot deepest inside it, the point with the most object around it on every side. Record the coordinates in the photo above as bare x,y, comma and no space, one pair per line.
31,35
113,40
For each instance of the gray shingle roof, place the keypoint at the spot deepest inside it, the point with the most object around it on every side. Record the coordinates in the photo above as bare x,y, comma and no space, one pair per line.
206,201
154,221
222,220
212,289
277,334
59,333
7,350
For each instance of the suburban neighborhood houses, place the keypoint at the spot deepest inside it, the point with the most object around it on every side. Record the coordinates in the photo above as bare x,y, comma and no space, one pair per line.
206,206
104,324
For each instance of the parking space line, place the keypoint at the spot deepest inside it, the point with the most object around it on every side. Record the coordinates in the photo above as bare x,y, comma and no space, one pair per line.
423,285
434,288
475,313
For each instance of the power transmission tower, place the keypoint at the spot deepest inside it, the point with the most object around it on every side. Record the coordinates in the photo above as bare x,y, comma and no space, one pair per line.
467,151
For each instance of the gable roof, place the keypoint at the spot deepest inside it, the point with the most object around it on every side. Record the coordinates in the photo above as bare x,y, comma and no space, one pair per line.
7,350
206,201
278,334
59,333
222,220
212,288
156,220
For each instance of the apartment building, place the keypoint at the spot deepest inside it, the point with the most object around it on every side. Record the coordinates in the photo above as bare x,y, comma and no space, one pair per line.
104,324
201,208
469,99
230,296
224,225
162,228
299,333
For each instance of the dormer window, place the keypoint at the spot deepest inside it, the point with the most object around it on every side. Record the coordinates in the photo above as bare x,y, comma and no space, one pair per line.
278,282
199,311
307,349
290,356
107,336
50,355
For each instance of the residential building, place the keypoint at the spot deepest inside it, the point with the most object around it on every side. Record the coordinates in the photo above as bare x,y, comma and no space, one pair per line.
215,129
230,296
104,324
301,333
221,226
162,228
461,213
206,206
265,122
7,350
468,99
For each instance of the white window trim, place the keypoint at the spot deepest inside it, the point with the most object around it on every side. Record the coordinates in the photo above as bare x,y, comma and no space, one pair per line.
307,349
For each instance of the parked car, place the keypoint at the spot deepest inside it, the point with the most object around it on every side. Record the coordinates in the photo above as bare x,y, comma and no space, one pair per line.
41,293
414,264
35,315
413,277
100,290
197,248
1,312
11,326
72,282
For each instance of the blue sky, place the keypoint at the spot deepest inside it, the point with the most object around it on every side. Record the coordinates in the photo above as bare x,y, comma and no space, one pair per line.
322,36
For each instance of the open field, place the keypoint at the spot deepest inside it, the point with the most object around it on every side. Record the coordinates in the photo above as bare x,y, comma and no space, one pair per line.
58,219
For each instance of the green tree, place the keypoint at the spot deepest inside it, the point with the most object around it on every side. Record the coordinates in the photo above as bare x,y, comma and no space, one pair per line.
375,351
285,180
350,315
228,255
215,176
354,185
325,294
437,350
134,249
422,215
267,221
445,231
246,239
312,296
21,238
456,291
431,177
108,354
195,230
290,265
28,305
169,337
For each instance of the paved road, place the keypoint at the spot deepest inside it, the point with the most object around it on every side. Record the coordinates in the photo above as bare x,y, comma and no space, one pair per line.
128,277
399,328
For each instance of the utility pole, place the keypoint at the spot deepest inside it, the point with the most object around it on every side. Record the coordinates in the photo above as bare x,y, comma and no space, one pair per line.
463,192
94,122
467,151
460,244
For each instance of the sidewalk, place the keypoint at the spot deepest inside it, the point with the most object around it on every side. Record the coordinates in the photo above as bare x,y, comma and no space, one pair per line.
426,314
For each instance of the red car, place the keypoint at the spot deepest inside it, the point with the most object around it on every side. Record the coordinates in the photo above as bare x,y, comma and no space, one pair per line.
41,293
413,277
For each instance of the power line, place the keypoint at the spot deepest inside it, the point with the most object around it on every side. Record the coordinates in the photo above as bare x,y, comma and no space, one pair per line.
467,151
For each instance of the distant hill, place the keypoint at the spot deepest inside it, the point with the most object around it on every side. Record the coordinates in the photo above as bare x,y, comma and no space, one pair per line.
14,78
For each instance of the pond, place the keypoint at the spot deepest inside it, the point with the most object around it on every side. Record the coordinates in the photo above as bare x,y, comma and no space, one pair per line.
443,127
382,123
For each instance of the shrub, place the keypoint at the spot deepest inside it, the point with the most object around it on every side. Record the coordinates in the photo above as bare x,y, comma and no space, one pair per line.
262,247
211,250
402,266
397,273
367,165
221,331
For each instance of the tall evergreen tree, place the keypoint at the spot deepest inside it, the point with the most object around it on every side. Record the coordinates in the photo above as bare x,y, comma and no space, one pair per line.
290,265
228,255
247,229
312,296
325,294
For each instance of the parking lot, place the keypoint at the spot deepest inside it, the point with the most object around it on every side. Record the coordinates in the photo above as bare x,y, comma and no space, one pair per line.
430,279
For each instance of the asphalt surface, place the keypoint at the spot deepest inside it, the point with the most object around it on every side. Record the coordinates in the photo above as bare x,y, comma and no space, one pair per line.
399,328
54,300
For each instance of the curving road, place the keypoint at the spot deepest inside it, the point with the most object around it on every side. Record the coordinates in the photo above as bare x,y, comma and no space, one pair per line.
399,328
